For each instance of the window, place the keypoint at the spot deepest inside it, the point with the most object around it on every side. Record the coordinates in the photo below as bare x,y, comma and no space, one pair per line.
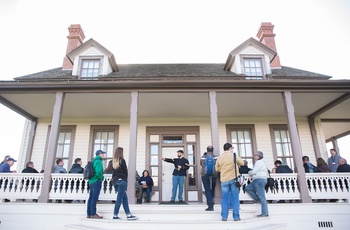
253,67
65,145
90,68
241,138
104,138
281,144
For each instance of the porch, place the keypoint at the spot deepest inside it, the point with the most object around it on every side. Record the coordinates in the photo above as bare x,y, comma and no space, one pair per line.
17,186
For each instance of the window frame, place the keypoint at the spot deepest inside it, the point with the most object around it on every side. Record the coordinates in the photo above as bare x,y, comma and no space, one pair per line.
281,127
243,127
103,128
89,58
253,57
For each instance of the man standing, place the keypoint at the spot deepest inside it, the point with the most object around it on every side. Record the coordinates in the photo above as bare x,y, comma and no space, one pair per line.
343,166
227,168
6,167
181,165
256,189
333,160
95,184
209,176
59,167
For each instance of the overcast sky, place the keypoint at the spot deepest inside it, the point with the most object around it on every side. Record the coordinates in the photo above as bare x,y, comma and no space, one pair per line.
312,35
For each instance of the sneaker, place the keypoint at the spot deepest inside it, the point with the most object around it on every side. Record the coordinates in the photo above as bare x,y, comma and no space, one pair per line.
172,201
116,218
209,209
131,217
237,219
262,215
181,202
224,219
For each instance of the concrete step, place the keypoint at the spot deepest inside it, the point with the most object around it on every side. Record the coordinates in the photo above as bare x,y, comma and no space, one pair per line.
176,223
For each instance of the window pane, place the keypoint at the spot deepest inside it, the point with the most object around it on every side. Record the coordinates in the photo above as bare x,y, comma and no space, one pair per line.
172,139
154,171
154,159
154,149
192,176
234,137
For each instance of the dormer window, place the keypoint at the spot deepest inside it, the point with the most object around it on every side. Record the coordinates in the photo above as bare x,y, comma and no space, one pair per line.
90,68
253,66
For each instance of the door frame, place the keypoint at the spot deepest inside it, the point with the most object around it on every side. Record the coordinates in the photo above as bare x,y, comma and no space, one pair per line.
183,131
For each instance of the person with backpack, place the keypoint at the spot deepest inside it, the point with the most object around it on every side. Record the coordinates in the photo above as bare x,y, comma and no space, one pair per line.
209,175
95,184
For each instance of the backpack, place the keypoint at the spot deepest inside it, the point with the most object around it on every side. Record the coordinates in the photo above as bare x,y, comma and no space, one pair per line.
89,170
209,166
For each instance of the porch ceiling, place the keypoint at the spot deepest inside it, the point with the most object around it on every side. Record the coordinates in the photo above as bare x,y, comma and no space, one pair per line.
172,104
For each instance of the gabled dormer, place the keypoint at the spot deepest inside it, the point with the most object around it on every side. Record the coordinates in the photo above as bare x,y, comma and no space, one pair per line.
255,59
87,60
251,58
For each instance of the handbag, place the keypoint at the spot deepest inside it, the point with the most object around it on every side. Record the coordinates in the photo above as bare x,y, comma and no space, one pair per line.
270,182
239,180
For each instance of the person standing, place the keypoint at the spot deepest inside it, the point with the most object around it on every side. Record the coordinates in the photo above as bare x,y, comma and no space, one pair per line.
95,184
309,168
120,182
256,189
59,166
322,165
230,192
333,160
5,159
181,165
209,181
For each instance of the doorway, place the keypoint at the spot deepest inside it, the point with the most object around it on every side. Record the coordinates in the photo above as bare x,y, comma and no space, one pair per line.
168,168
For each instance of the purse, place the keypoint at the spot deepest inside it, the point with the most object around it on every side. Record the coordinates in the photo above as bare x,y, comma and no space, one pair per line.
270,182
239,180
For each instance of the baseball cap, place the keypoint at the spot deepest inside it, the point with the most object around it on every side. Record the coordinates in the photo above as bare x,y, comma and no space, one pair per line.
11,159
98,152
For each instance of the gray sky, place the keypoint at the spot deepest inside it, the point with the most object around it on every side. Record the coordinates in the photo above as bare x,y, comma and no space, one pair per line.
312,35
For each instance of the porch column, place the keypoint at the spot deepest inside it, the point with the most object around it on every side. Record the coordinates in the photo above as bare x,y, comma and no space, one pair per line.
132,147
30,139
214,123
52,147
296,148
214,127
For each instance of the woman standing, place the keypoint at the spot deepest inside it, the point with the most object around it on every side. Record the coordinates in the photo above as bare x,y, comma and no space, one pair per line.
120,182
322,165
146,183
256,189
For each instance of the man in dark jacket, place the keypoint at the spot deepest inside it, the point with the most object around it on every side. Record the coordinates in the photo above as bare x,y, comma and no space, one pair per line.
30,168
76,167
343,166
181,165
280,168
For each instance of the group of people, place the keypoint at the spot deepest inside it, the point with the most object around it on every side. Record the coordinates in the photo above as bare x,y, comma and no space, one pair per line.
335,164
228,164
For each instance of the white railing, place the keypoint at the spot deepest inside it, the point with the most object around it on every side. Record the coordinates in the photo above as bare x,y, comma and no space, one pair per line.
74,187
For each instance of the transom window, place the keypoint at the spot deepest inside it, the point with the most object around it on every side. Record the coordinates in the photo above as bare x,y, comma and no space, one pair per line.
253,67
90,68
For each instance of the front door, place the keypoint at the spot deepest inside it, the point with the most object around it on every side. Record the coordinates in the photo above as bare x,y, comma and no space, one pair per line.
168,168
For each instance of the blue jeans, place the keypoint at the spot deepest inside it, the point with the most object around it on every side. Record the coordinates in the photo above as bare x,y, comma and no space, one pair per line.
120,186
209,187
230,194
178,181
148,193
95,189
256,190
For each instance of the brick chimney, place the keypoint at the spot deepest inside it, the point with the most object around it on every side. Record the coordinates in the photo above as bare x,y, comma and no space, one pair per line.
267,37
75,38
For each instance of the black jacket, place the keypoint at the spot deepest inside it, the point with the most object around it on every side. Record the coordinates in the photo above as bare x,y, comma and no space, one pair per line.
284,169
76,168
29,170
183,162
121,172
